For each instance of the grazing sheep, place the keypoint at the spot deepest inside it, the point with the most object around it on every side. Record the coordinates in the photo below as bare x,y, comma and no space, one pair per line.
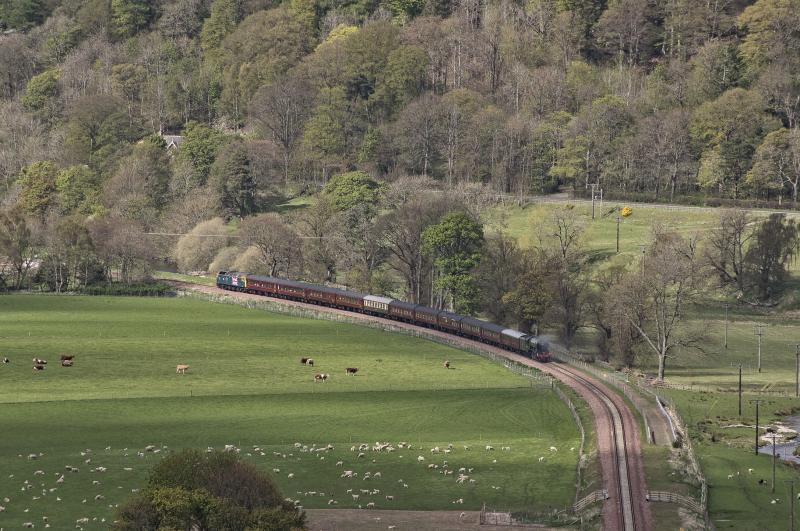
489,447
389,498
420,459
405,485
290,476
541,459
339,463
749,470
355,496
553,449
446,364
371,505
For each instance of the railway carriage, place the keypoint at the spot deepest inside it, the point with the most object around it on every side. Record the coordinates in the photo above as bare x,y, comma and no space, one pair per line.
492,333
515,340
471,327
350,300
449,322
321,295
426,316
402,311
374,304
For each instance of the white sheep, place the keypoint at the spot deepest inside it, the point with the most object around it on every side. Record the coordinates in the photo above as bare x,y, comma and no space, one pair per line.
420,459
489,447
553,449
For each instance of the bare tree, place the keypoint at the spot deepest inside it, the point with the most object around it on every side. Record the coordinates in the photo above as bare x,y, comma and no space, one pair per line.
401,231
197,249
278,245
654,298
727,247
280,110
17,244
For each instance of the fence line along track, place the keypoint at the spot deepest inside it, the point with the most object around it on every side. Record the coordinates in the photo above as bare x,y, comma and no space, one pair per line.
622,489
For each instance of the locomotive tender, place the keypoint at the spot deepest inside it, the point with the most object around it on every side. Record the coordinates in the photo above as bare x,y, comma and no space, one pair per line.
490,333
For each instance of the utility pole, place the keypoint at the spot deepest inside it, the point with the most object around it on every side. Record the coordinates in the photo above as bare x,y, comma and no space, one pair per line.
740,390
594,193
618,220
757,402
774,435
726,325
758,330
797,370
790,482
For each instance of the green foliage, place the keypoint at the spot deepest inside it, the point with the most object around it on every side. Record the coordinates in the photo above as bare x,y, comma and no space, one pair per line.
771,27
405,10
455,244
200,146
351,189
233,180
22,14
129,16
774,244
221,21
325,134
41,90
38,187
78,189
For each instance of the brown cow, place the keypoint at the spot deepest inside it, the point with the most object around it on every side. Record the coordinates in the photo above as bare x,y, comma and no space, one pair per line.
65,357
66,363
303,361
181,369
320,377
351,370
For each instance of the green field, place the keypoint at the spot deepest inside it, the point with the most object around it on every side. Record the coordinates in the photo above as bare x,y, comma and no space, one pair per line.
247,388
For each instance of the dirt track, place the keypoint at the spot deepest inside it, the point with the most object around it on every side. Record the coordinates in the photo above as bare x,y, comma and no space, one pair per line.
602,418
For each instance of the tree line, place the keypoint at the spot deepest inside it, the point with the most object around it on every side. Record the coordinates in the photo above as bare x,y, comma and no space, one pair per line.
657,98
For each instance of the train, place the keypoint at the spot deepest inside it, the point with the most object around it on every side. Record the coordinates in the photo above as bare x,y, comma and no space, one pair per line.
509,339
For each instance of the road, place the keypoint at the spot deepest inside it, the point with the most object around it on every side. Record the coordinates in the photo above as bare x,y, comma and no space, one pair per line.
618,435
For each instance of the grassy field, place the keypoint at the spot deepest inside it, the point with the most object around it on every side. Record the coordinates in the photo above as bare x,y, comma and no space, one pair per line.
247,388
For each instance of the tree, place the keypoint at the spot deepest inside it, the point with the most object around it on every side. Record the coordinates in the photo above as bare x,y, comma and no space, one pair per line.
122,247
455,244
776,163
224,16
347,190
199,147
320,225
78,189
38,187
17,243
402,232
771,27
232,179
420,128
654,298
277,245
129,16
197,249
41,91
727,247
774,244
529,297
190,489
279,111
138,189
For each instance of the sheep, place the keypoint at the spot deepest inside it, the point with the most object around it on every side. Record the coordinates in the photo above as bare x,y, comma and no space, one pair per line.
405,485
553,449
29,525
489,447
355,496
749,470
389,498
360,455
730,476
339,463
290,476
541,459
371,505
420,459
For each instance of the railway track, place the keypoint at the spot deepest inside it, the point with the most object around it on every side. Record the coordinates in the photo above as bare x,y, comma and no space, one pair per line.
622,497
616,426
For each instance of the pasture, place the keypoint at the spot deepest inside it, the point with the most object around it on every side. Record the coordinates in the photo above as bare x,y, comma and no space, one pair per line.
247,388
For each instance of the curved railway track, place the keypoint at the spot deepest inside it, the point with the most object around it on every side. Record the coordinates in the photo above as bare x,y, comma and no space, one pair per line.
616,426
622,496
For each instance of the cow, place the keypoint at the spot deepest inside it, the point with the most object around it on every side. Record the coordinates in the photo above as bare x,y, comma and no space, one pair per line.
181,369
309,362
320,377
65,357
38,368
446,364
351,370
38,361
66,363
304,361
6,361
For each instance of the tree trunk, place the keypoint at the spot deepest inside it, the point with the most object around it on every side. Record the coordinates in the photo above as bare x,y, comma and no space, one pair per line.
662,359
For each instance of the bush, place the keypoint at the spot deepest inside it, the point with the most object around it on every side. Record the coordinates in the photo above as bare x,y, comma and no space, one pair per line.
198,490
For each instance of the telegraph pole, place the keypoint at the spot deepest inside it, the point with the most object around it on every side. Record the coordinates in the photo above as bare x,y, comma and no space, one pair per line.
758,330
757,402
740,390
594,193
790,482
797,370
774,435
726,325
618,219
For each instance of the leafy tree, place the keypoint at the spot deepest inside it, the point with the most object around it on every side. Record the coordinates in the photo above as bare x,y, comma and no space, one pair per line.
129,16
776,163
277,246
455,244
78,189
22,14
233,180
528,298
771,27
347,190
17,244
41,90
199,147
774,244
224,16
38,187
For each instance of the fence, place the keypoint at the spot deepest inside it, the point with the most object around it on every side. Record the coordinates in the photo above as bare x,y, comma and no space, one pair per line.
677,424
586,501
671,497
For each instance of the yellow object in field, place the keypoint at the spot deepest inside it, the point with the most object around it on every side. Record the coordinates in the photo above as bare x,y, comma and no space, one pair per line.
625,212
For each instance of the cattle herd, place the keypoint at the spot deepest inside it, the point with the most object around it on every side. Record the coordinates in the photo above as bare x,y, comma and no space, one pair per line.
40,364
